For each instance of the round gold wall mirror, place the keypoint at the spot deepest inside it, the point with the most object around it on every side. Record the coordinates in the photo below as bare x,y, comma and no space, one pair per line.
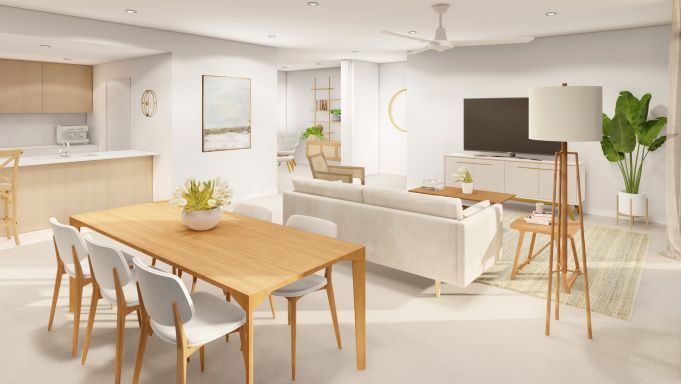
391,105
149,103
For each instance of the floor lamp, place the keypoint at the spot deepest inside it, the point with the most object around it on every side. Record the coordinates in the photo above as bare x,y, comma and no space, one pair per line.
565,114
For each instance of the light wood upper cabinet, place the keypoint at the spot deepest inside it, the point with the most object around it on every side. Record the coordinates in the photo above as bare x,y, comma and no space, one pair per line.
67,88
21,86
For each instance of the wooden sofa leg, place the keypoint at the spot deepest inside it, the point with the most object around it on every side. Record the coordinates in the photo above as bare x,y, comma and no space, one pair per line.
438,288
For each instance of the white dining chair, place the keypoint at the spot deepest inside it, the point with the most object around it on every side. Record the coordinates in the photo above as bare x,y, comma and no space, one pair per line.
72,260
311,283
114,282
188,320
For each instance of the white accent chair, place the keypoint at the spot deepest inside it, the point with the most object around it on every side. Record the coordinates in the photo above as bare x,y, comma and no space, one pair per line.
311,283
287,143
114,282
72,259
188,320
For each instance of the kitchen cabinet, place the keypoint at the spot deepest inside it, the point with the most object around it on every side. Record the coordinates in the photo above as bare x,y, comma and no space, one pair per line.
21,86
37,87
67,88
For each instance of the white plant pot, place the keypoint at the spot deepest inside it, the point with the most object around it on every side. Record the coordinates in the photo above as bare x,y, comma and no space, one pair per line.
202,220
632,204
467,188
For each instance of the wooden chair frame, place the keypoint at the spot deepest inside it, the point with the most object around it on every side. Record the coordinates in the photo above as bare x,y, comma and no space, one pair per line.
122,311
9,197
335,172
184,351
76,291
292,301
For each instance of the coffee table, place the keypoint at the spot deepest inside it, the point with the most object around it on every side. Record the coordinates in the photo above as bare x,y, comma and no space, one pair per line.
477,195
522,227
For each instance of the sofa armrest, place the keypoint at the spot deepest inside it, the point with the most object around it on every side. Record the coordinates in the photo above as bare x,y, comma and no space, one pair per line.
479,242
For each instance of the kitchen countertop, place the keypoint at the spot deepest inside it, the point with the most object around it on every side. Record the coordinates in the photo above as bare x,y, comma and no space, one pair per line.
28,161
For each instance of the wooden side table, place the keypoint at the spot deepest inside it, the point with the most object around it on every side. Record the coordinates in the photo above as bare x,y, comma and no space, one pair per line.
522,227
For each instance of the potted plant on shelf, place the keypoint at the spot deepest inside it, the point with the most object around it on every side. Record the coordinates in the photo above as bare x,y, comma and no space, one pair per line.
335,114
314,132
628,138
202,202
464,176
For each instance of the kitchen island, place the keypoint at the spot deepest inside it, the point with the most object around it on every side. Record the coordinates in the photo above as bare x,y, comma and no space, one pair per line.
49,185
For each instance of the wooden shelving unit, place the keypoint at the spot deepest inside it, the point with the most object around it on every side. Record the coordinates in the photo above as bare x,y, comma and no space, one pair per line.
323,102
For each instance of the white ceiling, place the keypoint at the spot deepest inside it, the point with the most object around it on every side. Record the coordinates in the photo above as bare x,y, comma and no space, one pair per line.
331,31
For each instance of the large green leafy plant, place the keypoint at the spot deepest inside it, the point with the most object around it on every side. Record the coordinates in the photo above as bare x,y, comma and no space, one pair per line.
628,137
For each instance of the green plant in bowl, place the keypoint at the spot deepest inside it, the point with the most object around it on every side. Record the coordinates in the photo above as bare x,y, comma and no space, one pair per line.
316,131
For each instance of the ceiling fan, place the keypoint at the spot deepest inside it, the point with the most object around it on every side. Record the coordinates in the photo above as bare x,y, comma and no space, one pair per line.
440,42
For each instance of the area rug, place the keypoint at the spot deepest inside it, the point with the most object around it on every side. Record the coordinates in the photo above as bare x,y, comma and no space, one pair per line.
615,259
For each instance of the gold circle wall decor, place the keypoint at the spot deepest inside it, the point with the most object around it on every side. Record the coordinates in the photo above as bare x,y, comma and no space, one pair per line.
390,110
149,102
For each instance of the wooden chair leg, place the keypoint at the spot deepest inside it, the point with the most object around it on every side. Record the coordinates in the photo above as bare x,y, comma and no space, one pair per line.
228,297
120,336
181,370
334,315
293,301
144,334
90,323
76,315
273,308
6,215
55,294
438,288
194,281
202,358
153,262
15,232
289,311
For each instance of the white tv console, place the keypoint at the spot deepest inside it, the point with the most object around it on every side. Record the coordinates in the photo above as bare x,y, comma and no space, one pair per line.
529,180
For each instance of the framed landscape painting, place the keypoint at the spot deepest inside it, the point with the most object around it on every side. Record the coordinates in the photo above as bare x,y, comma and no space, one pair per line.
226,113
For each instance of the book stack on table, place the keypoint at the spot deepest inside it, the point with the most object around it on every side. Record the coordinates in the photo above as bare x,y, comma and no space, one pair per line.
542,218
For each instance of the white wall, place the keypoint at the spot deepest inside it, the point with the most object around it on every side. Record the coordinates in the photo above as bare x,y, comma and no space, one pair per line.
251,172
147,133
632,59
360,123
392,144
35,129
299,102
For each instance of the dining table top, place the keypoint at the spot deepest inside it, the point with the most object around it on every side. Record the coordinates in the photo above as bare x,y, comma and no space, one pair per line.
241,254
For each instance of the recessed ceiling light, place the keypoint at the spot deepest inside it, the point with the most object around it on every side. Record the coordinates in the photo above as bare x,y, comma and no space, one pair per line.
313,3
67,59
552,13
284,67
318,63
271,36
355,51
45,45
412,32
131,11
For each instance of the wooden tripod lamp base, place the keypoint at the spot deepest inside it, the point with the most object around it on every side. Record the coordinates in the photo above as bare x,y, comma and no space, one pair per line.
560,237
565,114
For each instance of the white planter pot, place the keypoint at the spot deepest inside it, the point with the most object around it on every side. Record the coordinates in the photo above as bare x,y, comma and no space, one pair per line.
467,188
202,220
632,204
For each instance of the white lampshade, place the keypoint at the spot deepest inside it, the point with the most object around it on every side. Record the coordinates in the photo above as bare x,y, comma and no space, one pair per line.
566,113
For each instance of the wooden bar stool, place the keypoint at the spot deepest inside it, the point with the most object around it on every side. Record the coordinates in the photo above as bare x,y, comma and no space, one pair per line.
8,191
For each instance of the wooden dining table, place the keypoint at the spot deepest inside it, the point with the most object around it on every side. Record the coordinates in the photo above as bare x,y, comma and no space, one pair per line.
246,257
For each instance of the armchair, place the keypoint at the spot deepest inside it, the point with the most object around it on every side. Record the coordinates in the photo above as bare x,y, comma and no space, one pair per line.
321,170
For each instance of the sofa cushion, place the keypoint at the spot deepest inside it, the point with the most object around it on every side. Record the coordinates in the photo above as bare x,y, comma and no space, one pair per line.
441,206
334,190
475,208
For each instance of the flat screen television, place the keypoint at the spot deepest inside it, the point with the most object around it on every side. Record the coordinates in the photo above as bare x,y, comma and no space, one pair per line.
501,125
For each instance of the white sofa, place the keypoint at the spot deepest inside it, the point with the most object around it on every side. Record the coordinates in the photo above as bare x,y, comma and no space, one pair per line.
430,236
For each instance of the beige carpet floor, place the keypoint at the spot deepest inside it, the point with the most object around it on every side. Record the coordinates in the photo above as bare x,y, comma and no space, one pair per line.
615,261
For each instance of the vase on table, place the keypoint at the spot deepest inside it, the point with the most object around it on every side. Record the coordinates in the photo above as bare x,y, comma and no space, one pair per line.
202,220
467,188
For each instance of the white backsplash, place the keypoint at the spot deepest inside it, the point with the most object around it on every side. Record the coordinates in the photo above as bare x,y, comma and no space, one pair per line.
34,129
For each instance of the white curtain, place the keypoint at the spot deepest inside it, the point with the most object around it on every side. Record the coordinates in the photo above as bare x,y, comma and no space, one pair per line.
674,141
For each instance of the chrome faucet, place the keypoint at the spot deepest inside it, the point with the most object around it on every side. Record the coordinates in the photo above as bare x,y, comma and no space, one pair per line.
65,150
